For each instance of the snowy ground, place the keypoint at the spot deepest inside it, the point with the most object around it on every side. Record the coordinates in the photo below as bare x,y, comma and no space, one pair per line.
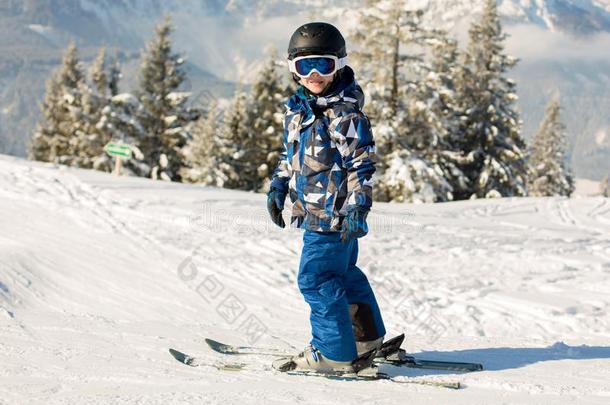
99,276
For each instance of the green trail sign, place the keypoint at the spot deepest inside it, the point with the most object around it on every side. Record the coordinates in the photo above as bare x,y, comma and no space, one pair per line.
118,149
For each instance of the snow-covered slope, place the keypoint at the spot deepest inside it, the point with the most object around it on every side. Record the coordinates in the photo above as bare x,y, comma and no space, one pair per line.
99,276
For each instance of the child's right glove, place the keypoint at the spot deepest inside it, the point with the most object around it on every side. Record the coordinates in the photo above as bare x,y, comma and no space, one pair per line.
275,205
354,223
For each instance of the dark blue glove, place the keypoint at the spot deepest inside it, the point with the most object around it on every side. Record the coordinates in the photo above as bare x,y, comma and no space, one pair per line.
275,205
354,224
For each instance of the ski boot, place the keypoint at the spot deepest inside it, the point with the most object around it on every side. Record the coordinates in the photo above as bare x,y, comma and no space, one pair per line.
311,360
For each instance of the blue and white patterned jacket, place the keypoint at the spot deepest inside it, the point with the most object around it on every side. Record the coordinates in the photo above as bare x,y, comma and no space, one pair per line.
328,159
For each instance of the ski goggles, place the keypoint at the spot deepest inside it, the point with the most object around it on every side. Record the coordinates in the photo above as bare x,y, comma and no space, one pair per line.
324,65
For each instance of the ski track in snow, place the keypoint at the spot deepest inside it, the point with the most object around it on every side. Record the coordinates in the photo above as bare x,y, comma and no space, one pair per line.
99,276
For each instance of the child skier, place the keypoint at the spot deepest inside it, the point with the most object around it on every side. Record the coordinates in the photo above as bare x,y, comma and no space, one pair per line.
327,166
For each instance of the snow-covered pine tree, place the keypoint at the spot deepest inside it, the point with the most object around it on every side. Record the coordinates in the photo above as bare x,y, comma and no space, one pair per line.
441,79
89,136
415,168
384,29
549,172
491,141
406,110
431,123
267,98
167,119
237,147
54,139
121,121
202,151
99,74
47,140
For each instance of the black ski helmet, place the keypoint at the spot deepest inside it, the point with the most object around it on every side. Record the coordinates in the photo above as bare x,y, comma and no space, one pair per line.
317,38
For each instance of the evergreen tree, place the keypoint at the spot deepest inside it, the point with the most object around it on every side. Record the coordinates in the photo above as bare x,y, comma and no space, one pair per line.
414,170
167,119
55,138
121,120
268,96
237,147
243,152
410,119
549,174
202,151
89,137
99,74
118,117
441,80
491,142
431,124
47,140
384,29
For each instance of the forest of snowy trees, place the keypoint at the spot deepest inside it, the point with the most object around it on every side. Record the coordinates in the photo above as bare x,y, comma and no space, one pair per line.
444,119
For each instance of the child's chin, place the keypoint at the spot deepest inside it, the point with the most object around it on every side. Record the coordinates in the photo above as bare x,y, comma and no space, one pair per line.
316,89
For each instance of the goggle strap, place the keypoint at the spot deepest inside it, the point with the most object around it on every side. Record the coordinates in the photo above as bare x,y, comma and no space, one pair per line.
342,62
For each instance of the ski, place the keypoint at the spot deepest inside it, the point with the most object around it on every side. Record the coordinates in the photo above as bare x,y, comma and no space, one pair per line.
389,353
372,374
401,359
368,374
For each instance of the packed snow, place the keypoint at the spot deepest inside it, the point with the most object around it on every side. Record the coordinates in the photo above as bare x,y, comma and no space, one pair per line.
100,275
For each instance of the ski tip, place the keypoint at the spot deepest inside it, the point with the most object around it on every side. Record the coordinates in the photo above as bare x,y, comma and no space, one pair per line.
178,355
219,347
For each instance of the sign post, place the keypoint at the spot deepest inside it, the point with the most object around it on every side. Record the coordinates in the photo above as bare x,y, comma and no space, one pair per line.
119,151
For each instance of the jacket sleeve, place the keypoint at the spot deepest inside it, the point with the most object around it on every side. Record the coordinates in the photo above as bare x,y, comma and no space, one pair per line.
354,140
281,174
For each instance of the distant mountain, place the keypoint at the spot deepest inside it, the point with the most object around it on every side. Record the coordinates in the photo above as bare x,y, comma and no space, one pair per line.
224,39
574,16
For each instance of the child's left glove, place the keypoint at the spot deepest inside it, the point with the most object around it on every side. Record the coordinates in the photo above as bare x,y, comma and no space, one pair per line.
354,224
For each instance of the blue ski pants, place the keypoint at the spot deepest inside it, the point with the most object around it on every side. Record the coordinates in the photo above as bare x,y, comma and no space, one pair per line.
343,307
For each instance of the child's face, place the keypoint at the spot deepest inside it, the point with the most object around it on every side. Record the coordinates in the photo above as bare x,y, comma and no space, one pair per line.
316,83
